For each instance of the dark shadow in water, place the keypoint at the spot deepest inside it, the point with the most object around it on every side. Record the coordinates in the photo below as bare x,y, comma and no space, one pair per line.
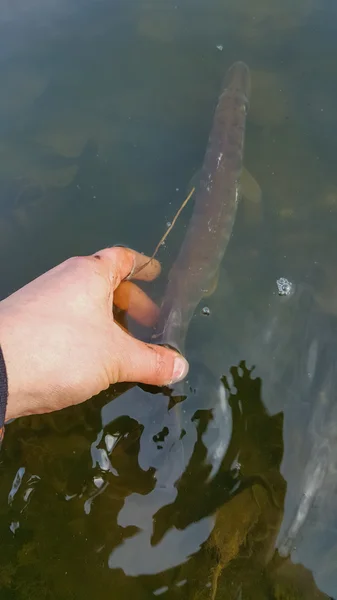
244,499
152,492
248,412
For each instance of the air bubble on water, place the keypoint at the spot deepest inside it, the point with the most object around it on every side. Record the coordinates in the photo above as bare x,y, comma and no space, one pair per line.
206,311
284,286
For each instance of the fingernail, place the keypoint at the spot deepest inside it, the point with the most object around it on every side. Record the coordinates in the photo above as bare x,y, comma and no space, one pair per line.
180,369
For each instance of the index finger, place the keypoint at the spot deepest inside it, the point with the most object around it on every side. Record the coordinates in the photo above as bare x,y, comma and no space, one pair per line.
124,262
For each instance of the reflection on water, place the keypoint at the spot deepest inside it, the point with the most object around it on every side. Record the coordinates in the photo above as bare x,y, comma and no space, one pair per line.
142,509
105,111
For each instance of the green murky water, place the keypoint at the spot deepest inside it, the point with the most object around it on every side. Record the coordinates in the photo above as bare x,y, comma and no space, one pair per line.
105,110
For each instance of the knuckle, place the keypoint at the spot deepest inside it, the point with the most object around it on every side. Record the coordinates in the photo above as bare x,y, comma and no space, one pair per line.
82,262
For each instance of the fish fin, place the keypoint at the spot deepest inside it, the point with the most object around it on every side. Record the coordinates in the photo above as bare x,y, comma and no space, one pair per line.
251,195
250,189
213,285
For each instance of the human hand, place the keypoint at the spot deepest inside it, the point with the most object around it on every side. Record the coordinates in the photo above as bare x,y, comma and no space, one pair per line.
61,343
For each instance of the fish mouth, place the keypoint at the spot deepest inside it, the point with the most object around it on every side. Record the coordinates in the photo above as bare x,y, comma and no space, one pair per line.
238,80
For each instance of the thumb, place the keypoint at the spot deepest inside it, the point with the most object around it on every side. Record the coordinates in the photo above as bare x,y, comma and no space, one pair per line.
148,363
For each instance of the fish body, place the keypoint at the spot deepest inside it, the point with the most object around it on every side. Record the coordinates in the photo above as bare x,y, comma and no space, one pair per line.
195,270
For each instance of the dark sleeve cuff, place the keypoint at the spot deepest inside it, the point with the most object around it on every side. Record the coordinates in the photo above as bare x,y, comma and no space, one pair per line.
3,392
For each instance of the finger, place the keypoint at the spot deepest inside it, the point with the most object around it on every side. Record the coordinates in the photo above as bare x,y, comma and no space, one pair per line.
136,303
122,262
147,363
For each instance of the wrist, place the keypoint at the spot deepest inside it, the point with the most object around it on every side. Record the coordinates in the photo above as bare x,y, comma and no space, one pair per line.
15,393
3,391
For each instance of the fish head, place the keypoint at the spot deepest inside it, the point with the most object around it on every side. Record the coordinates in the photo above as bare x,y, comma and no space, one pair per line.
238,82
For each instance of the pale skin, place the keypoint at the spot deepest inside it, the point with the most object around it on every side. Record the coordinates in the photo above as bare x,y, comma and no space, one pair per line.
61,343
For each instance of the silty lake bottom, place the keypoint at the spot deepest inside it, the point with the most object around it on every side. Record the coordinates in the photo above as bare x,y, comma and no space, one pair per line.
105,111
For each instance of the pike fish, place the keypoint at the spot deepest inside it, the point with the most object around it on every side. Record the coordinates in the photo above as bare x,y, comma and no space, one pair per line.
194,273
